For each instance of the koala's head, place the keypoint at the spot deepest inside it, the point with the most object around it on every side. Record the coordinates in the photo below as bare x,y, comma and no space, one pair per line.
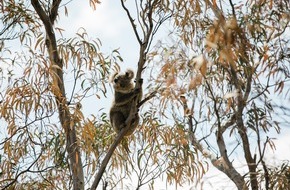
123,82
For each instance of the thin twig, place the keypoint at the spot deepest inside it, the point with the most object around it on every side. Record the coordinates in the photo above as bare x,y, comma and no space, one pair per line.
233,8
24,171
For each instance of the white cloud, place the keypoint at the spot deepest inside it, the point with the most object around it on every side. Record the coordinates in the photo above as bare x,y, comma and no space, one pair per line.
107,20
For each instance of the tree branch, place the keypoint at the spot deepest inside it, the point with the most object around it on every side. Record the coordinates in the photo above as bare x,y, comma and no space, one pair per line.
58,90
223,163
150,96
241,103
54,10
233,8
132,22
24,171
112,148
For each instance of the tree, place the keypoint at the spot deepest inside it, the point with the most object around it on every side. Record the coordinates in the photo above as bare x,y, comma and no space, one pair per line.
221,67
222,86
32,99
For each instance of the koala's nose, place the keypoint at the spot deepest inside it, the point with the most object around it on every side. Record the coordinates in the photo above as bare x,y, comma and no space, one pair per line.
115,80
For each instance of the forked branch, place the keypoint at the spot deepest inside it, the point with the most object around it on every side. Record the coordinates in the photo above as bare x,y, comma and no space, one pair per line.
58,89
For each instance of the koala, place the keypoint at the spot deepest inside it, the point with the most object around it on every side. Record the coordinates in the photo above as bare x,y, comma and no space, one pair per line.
123,98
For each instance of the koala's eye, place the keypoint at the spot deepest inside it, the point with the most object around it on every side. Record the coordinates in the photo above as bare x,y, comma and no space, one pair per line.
115,80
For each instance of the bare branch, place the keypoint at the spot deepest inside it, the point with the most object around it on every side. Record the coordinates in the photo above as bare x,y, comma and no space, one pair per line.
43,16
132,22
150,96
142,12
107,158
261,154
241,103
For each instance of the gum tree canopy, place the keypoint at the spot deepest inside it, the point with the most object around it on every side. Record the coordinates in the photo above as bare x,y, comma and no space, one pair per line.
216,94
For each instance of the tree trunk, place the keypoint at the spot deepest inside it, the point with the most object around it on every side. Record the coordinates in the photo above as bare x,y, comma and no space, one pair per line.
57,88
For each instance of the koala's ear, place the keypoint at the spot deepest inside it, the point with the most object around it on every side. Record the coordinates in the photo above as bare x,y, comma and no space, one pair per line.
129,74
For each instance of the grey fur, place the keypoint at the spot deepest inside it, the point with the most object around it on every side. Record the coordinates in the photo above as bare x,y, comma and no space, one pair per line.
123,98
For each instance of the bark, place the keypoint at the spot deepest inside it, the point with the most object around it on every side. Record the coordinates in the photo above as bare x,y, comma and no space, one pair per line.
242,130
251,162
223,163
58,90
228,168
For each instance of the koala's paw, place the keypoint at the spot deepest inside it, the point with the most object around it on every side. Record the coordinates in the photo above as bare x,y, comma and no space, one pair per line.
140,81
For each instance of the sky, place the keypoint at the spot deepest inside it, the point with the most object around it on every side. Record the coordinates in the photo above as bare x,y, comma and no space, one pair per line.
107,22
110,24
